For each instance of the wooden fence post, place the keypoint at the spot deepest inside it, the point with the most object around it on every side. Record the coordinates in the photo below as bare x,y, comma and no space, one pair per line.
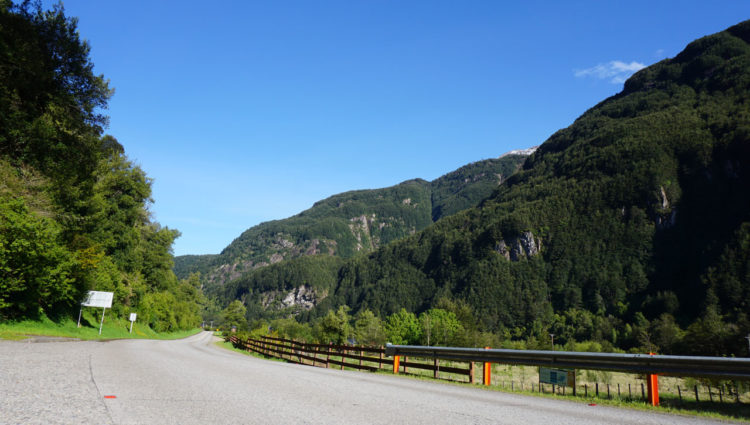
436,365
736,392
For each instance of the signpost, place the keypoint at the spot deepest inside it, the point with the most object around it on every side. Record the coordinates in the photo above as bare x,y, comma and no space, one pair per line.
559,377
97,299
132,319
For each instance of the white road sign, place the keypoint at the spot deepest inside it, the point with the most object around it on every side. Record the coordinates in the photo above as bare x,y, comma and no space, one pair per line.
98,299
132,317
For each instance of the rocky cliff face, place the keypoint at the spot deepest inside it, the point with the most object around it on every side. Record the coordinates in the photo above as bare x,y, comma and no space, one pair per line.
523,246
302,296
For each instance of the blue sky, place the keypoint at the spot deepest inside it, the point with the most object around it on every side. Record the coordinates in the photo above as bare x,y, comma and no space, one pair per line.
247,111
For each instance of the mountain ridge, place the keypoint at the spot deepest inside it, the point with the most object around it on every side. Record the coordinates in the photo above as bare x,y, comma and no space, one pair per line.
353,222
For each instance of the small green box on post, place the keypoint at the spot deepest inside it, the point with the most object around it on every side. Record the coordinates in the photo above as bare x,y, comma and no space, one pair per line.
561,377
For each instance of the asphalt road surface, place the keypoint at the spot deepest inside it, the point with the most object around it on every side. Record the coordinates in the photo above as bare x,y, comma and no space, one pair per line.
192,381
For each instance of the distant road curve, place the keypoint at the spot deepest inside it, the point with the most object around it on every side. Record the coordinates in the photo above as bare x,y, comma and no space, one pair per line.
191,381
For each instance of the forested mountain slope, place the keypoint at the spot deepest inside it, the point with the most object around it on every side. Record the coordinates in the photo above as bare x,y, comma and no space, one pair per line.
631,227
73,209
355,222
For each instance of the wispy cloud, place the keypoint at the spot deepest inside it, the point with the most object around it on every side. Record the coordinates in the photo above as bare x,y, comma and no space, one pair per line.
614,71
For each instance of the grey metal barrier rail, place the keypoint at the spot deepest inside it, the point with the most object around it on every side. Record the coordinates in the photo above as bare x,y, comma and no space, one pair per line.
709,367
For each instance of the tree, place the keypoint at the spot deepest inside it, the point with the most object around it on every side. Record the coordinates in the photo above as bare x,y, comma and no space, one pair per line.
368,328
35,272
439,327
234,315
403,328
334,326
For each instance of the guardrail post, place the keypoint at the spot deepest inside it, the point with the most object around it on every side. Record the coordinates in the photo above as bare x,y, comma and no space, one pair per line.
396,361
471,372
653,387
487,371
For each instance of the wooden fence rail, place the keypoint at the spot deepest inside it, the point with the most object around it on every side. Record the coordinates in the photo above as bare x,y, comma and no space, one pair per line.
348,356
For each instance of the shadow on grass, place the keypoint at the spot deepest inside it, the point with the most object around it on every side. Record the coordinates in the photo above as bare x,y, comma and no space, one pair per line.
728,407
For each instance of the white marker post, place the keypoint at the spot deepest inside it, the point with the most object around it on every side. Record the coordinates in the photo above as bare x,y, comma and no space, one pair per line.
97,299
132,319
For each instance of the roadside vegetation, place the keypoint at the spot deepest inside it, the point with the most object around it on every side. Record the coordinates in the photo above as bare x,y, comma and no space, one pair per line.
74,209
113,328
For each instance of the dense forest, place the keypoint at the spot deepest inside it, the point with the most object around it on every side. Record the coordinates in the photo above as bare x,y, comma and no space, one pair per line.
352,223
630,229
73,208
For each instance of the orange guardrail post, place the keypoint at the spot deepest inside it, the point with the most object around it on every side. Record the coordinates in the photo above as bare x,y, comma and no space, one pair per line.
653,389
487,371
652,384
396,361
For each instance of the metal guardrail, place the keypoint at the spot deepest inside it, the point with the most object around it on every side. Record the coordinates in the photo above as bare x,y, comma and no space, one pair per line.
709,367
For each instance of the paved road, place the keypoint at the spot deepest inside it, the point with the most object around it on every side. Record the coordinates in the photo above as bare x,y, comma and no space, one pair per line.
192,381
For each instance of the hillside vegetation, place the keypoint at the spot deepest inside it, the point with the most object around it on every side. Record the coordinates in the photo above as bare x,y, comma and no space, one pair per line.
73,208
353,223
629,229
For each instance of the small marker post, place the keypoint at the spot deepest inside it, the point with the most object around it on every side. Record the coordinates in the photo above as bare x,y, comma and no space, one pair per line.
104,310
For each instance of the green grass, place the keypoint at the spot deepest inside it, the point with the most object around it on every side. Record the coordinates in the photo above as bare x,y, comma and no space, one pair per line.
228,345
114,328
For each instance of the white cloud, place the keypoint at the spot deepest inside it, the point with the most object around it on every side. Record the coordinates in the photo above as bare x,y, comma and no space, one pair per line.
615,71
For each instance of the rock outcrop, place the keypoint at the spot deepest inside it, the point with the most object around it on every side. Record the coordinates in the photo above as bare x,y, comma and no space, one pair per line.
523,246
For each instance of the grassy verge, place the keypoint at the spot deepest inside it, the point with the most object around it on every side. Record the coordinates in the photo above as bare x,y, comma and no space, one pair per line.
229,346
114,328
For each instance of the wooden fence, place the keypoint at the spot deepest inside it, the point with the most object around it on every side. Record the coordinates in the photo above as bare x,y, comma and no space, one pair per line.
372,359
375,359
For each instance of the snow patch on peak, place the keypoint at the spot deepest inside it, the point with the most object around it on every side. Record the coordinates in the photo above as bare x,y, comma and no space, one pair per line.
524,152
